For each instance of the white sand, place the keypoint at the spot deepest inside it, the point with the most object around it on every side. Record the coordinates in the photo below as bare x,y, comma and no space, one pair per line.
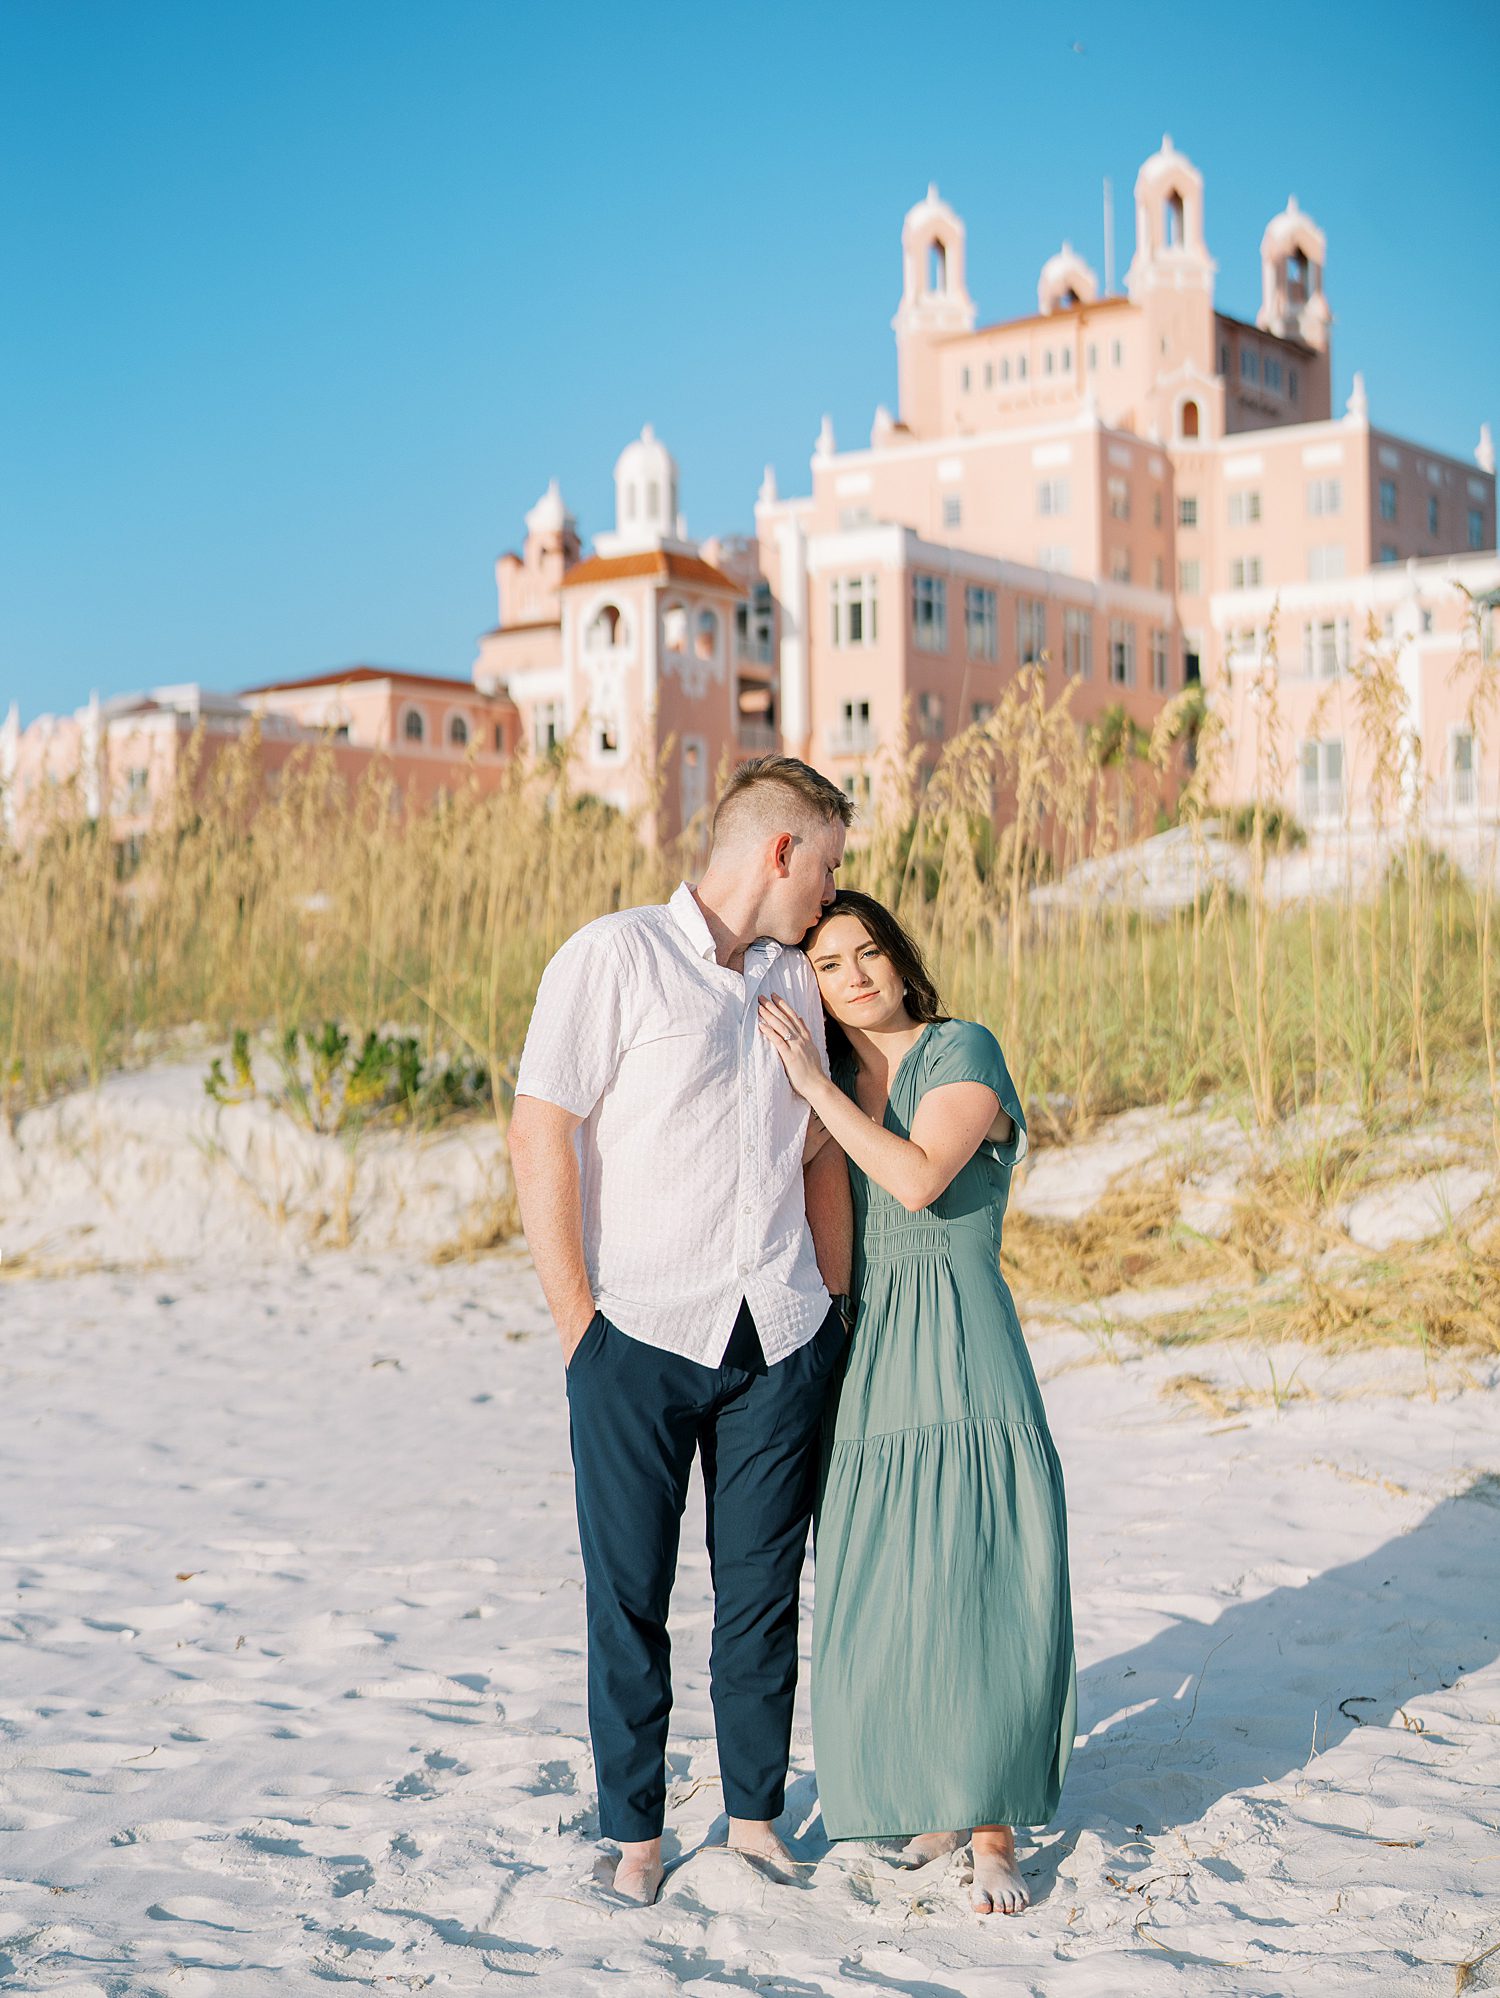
291,1688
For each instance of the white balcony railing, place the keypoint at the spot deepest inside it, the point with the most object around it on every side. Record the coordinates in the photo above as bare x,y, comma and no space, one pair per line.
851,738
754,648
754,733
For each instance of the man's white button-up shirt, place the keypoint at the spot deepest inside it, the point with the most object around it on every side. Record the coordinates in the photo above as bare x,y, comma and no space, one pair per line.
690,1150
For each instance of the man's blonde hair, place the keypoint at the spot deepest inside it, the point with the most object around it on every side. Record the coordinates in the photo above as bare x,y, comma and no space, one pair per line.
778,794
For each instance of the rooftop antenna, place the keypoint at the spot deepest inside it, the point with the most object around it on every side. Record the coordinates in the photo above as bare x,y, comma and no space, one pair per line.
1109,239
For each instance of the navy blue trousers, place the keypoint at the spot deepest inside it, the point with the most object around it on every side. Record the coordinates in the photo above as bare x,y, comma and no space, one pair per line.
638,1416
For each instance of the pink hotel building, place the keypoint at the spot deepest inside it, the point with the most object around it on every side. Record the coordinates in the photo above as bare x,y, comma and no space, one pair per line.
1123,487
1126,488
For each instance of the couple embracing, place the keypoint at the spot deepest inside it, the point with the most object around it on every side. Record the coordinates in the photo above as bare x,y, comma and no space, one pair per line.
762,1178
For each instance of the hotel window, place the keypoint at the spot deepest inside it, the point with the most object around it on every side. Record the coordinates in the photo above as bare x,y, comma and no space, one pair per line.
1020,367
1387,499
1119,565
963,380
1052,496
857,786
1047,362
1067,360
607,738
1273,374
1223,358
1158,573
1031,629
1461,768
1187,510
499,740
706,635
929,613
1093,358
1325,648
1325,564
1388,552
458,732
1005,369
989,374
980,712
1078,644
1322,780
953,510
1291,383
1324,497
1116,354
1476,528
1190,578
1244,572
1121,652
1119,499
1432,514
137,789
1159,661
1249,365
1054,555
412,727
930,716
854,607
547,726
981,623
1243,508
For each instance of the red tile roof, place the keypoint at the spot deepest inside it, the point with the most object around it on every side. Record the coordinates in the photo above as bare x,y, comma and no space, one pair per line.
345,676
651,562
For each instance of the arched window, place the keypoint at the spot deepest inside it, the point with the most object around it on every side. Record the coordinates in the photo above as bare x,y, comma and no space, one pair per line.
1190,419
653,499
1296,279
674,628
1173,221
458,732
608,627
1069,298
412,727
706,642
937,265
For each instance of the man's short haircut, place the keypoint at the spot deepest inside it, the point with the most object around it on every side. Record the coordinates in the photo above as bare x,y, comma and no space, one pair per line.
778,794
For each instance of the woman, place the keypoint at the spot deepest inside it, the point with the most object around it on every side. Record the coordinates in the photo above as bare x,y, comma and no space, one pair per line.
943,1695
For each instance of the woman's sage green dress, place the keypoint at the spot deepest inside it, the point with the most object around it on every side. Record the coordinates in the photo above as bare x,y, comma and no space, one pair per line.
943,1692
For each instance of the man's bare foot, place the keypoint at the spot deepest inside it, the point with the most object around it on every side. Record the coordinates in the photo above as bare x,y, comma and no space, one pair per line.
756,1840
638,1876
998,1888
927,1846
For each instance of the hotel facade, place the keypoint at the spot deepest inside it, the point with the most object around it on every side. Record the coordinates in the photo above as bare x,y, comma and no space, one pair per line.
1133,492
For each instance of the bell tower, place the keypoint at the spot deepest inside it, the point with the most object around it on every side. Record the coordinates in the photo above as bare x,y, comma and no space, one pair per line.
1293,252
935,305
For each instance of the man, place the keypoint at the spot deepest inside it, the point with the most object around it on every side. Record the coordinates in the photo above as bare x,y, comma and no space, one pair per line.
658,1156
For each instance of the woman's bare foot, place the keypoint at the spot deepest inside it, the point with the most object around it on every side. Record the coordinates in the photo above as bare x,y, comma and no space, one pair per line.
756,1840
998,1888
927,1846
638,1876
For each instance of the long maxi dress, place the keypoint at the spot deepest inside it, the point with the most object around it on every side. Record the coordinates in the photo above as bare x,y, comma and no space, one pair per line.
943,1681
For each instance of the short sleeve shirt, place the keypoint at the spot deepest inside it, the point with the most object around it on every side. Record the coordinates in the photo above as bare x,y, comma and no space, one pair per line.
690,1148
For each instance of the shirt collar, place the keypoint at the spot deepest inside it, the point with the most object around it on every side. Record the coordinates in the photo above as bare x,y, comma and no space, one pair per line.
694,926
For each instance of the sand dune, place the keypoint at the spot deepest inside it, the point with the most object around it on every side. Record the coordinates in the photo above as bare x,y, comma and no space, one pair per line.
291,1681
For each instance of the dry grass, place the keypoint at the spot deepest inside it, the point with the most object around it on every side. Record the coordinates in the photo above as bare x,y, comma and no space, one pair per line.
319,903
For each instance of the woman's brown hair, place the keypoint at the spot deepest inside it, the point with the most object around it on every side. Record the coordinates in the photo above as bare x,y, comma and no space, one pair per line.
883,930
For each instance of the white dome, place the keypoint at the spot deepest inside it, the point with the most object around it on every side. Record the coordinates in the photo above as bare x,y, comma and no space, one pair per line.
550,515
646,487
1064,272
646,457
1291,230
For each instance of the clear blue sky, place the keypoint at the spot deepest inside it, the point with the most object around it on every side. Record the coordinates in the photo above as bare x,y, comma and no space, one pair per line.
304,303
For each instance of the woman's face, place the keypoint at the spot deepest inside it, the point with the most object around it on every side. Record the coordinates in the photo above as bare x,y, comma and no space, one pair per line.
859,984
